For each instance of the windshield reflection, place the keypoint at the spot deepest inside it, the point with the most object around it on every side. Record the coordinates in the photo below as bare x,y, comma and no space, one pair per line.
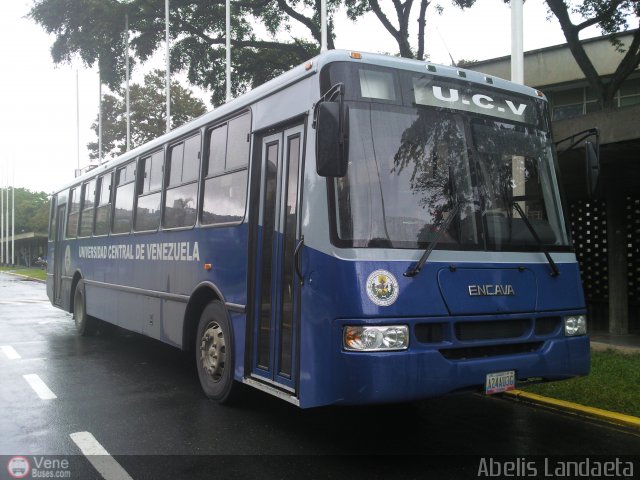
514,165
408,168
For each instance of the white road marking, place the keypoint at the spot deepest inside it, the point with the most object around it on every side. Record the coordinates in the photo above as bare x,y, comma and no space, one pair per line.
104,463
10,352
39,386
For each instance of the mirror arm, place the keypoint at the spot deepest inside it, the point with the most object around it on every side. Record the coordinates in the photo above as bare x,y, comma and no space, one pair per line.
580,136
330,95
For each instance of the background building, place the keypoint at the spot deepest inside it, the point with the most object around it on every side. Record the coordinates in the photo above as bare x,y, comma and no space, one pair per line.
605,229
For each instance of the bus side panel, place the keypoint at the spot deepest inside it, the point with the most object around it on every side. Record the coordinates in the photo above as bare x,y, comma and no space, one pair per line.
163,263
99,301
172,322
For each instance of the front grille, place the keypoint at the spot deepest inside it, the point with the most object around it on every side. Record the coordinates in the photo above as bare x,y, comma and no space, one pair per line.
489,350
491,329
429,332
547,325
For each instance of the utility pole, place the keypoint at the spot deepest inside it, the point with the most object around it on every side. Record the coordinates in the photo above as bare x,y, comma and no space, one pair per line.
323,21
126,62
78,118
166,21
228,45
517,53
6,216
13,212
1,214
100,117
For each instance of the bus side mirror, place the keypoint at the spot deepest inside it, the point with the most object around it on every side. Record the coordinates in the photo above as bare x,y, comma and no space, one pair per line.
331,157
592,163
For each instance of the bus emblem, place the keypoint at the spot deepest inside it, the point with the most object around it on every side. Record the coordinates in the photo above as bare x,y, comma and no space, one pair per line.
382,288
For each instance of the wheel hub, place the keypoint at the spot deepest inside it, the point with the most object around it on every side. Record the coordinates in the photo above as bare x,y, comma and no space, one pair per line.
213,351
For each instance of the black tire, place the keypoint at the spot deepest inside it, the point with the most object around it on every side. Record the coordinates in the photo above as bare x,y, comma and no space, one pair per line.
214,354
85,325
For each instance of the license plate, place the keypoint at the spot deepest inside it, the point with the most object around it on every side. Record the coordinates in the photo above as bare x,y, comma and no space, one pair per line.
500,382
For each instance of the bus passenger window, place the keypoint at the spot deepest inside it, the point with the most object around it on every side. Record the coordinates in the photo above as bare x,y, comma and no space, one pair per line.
238,142
225,186
74,213
88,204
180,203
217,150
149,186
224,198
123,211
103,201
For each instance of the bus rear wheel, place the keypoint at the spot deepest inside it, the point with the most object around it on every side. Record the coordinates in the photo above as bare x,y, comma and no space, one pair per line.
85,325
214,354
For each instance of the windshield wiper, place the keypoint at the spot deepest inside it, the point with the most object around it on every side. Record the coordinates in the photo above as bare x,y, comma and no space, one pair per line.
415,269
554,268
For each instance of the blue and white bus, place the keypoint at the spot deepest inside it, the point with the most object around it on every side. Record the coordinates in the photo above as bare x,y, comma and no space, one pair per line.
361,229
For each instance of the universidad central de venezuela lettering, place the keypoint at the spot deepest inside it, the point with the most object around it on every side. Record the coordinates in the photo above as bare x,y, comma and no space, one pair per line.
163,251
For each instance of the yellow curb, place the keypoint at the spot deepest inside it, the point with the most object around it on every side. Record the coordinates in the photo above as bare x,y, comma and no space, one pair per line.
606,415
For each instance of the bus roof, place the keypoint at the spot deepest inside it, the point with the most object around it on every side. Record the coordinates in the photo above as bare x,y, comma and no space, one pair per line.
296,74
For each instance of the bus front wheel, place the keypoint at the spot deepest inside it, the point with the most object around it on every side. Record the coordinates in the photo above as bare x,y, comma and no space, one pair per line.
85,325
214,354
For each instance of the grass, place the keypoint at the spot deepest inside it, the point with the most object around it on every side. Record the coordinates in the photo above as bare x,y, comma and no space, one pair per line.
613,384
36,273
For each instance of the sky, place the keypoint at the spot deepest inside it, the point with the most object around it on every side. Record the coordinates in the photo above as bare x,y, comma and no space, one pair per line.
38,100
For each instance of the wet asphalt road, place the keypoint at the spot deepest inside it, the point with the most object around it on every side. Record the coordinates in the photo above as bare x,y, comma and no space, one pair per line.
138,397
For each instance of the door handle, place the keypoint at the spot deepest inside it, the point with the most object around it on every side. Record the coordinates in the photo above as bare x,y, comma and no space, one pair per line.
297,258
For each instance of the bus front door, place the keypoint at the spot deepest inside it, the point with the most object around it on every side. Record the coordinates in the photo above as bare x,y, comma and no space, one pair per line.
58,256
277,301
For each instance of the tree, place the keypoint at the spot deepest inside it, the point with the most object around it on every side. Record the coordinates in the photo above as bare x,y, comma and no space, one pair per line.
402,10
93,30
31,211
148,114
611,16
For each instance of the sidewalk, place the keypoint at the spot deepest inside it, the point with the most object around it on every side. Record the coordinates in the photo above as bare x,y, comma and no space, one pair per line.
620,343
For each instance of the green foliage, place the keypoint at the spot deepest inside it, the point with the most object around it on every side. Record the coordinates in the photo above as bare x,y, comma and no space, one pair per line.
94,31
613,384
148,114
611,16
35,273
31,210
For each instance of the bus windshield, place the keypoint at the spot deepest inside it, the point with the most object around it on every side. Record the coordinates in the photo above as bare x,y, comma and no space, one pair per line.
409,167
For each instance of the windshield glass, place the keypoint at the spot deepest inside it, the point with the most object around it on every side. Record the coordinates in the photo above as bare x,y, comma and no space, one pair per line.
409,167
422,144
514,165
407,170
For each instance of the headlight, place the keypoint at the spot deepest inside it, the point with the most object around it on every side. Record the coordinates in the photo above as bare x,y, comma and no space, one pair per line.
575,325
371,339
